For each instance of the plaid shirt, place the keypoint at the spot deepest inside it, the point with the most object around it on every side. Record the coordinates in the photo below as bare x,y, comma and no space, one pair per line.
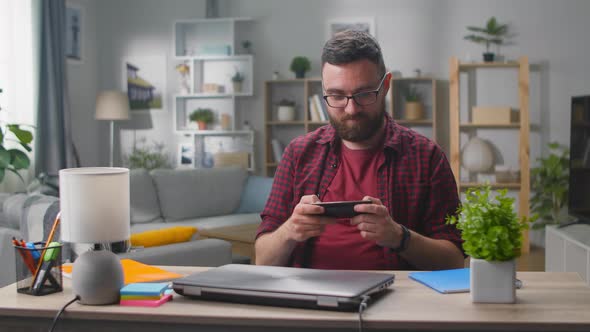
416,185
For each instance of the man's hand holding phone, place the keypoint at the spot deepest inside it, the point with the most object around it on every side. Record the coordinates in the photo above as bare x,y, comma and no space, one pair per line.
307,221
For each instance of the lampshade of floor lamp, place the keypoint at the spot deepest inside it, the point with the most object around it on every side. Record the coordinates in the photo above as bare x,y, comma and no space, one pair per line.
112,105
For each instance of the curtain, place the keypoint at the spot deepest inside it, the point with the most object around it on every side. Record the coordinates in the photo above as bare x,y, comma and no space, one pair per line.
54,147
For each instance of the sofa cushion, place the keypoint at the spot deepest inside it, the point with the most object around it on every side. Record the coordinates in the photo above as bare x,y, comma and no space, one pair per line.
38,216
143,197
194,193
163,236
255,194
13,209
203,223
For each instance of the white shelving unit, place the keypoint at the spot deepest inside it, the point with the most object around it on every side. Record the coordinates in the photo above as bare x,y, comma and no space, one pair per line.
568,250
208,47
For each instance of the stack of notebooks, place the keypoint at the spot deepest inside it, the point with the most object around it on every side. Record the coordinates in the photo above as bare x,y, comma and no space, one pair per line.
146,294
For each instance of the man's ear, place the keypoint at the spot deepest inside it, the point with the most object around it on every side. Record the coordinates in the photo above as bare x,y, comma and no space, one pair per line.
387,83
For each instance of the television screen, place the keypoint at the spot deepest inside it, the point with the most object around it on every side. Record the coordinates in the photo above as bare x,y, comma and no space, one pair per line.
579,186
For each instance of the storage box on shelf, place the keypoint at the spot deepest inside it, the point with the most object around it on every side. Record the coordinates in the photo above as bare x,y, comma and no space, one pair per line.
307,94
423,121
474,126
215,74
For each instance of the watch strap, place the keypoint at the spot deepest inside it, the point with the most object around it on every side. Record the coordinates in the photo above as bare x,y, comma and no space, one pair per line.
405,241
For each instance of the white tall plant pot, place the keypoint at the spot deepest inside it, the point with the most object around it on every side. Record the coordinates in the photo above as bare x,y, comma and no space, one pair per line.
492,282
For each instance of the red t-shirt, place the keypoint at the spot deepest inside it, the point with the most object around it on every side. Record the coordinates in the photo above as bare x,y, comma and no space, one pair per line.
341,246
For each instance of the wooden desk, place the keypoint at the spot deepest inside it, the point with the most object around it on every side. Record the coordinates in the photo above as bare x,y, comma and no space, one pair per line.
241,237
557,301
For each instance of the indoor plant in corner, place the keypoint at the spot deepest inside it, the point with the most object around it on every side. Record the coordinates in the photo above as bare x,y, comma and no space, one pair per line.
237,80
203,117
492,235
492,33
414,109
13,159
300,65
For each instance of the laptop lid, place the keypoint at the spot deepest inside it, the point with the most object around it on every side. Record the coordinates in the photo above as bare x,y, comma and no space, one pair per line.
285,286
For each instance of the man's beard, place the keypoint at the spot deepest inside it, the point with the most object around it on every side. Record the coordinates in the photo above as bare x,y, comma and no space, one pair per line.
367,126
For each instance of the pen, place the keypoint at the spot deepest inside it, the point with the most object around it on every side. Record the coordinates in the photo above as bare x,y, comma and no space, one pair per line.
49,240
24,254
48,260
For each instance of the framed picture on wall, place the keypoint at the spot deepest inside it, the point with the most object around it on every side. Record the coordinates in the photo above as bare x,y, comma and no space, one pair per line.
74,33
366,24
144,79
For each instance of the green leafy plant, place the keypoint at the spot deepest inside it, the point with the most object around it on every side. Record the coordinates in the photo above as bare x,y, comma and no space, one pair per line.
237,77
492,33
286,102
202,115
412,94
490,228
148,157
246,44
13,159
549,183
300,65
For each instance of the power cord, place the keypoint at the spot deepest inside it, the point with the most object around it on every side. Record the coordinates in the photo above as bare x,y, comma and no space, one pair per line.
61,311
362,306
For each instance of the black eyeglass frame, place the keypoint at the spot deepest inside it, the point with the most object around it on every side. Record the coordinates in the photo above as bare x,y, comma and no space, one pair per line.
356,95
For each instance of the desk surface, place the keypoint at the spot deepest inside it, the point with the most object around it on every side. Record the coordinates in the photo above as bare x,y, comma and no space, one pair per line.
548,301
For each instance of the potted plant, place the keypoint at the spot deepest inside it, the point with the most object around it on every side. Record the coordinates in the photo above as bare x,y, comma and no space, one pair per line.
414,109
237,80
549,184
286,110
246,44
300,65
492,235
203,116
13,159
492,33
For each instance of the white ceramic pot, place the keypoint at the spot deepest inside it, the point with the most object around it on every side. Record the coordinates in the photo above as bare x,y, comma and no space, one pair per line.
477,155
286,113
492,282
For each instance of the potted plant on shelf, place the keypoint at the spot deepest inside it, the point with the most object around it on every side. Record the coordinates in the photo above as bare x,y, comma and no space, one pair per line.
492,235
286,110
203,117
549,184
492,33
12,159
237,80
414,109
300,65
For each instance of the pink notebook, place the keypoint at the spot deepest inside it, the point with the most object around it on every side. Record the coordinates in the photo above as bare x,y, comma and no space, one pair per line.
146,303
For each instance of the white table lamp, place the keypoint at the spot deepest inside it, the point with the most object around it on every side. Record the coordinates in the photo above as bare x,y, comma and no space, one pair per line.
94,204
112,105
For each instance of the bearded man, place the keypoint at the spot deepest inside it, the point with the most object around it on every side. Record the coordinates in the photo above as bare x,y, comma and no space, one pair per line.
361,154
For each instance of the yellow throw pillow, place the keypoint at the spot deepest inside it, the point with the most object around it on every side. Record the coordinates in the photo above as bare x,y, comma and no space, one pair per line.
160,237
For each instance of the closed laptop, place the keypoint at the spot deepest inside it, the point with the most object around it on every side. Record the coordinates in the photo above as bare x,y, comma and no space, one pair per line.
284,286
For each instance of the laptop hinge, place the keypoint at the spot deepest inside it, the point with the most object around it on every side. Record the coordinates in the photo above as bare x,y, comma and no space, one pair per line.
327,301
192,290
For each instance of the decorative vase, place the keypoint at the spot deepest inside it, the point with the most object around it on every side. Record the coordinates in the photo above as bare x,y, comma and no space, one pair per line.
414,110
477,155
286,113
492,282
202,125
488,57
237,86
300,74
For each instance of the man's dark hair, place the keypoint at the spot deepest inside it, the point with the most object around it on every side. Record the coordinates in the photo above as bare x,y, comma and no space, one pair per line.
351,45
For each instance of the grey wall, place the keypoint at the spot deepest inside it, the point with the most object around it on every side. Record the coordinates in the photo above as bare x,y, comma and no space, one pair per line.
413,34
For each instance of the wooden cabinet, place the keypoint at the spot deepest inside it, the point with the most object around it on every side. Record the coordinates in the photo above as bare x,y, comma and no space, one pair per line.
209,51
281,132
461,124
426,88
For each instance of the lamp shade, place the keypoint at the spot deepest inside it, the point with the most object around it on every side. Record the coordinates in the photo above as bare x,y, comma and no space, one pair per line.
112,105
94,204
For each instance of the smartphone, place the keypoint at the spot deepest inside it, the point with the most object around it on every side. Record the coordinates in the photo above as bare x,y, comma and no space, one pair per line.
341,209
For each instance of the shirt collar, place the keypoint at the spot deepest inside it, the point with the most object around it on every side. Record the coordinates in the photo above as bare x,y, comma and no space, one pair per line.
392,135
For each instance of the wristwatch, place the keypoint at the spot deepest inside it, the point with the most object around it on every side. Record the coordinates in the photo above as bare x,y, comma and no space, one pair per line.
405,241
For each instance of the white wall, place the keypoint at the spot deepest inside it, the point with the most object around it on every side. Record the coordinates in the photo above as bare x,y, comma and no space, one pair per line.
413,34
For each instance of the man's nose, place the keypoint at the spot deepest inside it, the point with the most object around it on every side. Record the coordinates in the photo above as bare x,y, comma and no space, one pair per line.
352,107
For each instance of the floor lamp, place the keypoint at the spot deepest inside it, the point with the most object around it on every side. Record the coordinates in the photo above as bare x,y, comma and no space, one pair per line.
112,105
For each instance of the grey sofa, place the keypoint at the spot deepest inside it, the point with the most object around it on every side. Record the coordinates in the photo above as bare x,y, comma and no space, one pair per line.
205,198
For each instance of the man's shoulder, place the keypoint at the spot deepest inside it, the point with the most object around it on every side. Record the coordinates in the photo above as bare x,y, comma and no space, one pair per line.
320,136
412,141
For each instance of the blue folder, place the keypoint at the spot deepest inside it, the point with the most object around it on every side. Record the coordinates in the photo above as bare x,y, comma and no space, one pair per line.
444,281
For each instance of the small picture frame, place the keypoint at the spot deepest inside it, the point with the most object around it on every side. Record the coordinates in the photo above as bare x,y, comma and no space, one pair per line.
74,33
366,24
186,155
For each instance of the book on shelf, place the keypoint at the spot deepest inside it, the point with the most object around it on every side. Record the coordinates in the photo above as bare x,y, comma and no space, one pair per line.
321,107
314,114
277,150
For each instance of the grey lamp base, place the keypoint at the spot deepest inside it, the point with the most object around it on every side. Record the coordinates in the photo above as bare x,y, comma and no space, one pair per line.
97,278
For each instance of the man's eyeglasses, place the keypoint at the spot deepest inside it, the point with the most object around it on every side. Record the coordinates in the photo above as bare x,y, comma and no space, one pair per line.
361,98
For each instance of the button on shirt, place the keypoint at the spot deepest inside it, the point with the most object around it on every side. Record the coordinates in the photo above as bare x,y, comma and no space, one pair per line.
416,185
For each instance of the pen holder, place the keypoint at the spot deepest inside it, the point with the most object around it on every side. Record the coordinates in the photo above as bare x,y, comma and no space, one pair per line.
38,269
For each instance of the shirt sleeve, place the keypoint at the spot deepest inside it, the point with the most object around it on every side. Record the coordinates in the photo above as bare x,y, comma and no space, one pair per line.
280,201
443,200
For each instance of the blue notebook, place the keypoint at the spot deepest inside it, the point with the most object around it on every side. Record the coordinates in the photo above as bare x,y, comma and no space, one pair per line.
444,281
145,288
